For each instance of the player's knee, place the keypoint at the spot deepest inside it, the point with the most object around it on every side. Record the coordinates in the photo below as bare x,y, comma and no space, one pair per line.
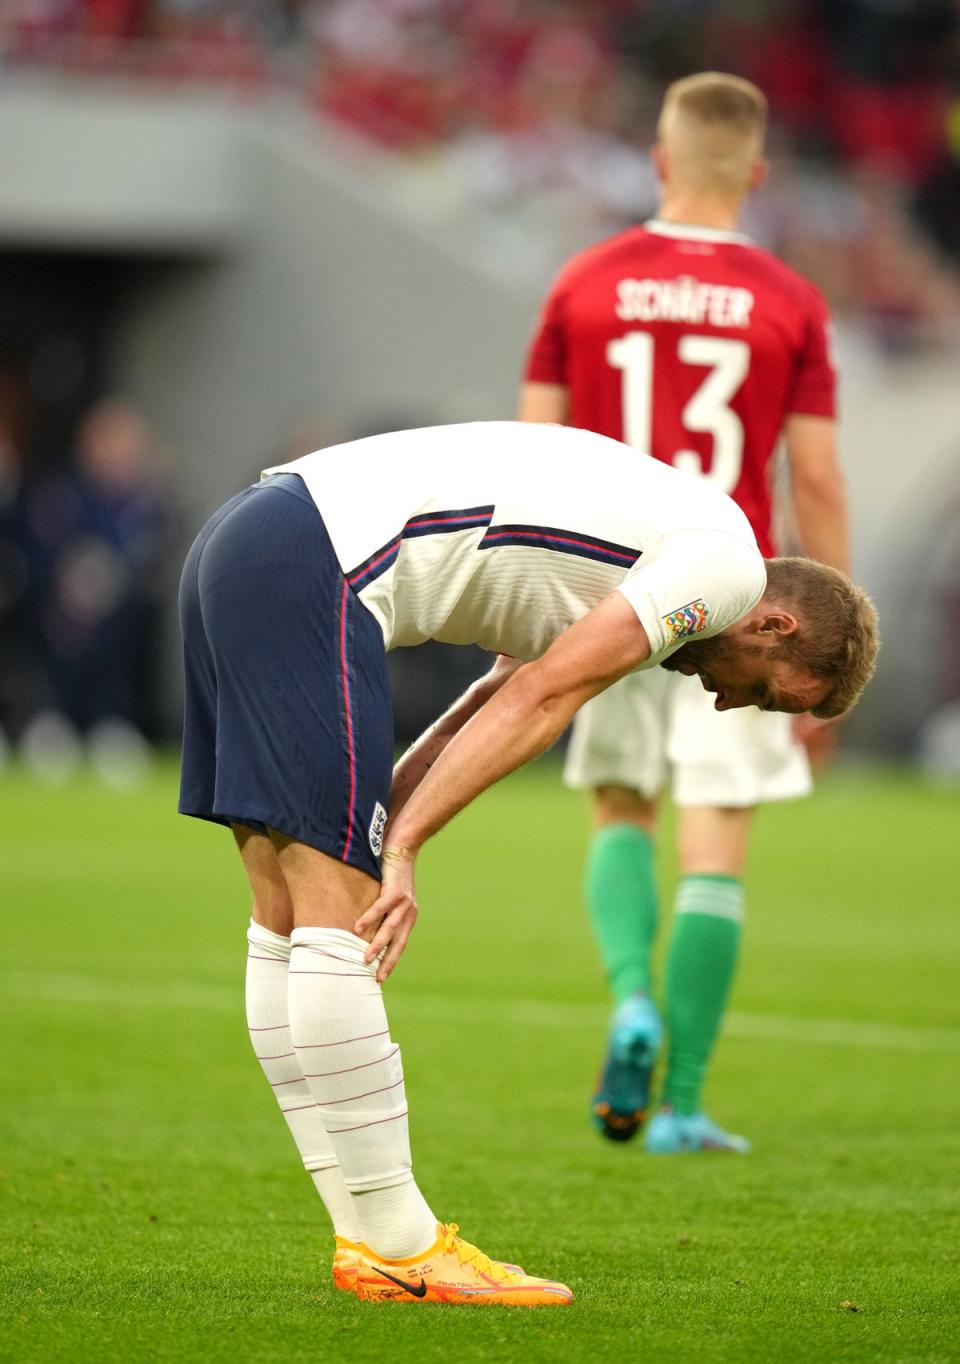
273,911
272,903
712,841
621,805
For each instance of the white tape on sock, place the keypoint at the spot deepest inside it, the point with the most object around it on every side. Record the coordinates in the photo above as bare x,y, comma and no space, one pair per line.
268,960
355,1072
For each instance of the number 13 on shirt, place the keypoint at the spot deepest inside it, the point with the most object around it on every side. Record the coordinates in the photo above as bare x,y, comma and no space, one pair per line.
708,410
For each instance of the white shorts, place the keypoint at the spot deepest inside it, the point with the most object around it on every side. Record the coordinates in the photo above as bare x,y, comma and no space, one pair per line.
654,722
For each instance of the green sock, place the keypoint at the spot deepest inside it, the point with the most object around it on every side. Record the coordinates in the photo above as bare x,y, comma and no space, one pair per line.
701,960
622,895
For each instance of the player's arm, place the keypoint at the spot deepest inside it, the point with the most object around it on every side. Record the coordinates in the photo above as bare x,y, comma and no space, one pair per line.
520,720
544,403
817,489
421,755
819,504
525,716
544,392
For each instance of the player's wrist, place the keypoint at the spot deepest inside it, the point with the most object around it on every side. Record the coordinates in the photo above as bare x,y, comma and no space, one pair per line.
399,854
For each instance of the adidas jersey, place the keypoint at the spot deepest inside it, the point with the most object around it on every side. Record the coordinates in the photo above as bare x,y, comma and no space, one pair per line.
692,345
503,533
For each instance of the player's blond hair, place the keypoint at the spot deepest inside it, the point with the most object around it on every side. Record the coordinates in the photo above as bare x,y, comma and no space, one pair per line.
837,636
712,127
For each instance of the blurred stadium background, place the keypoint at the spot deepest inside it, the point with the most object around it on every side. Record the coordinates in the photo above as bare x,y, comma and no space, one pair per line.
229,231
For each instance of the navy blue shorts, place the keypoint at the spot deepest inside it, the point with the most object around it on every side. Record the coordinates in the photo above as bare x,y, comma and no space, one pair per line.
288,720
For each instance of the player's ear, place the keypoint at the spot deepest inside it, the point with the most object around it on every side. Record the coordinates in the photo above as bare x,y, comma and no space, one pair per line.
758,173
659,158
777,623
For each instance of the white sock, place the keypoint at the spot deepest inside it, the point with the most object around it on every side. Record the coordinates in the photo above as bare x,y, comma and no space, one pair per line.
355,1073
268,959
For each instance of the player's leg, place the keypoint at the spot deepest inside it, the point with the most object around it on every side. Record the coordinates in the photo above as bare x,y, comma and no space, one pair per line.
621,887
622,895
354,1069
344,1049
616,751
700,966
304,745
724,765
616,748
268,961
267,631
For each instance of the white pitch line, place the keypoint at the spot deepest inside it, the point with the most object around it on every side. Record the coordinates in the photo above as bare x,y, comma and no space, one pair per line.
531,1013
836,1032
123,994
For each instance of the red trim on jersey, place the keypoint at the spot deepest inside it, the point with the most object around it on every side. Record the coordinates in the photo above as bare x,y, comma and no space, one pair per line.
547,537
351,752
428,523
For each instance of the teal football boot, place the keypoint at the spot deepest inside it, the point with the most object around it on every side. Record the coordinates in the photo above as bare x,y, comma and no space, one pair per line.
620,1104
677,1134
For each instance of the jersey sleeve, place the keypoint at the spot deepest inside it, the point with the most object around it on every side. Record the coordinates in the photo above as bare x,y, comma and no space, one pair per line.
814,392
547,352
695,584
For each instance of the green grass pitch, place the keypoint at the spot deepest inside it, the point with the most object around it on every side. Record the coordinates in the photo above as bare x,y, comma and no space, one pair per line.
152,1206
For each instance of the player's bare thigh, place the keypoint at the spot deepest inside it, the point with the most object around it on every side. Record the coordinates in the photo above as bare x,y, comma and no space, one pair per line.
621,805
295,886
712,840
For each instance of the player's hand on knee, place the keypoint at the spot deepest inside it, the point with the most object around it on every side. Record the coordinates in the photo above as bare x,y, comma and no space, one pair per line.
393,914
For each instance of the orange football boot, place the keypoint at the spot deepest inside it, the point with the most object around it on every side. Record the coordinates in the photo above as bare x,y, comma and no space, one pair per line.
453,1271
346,1264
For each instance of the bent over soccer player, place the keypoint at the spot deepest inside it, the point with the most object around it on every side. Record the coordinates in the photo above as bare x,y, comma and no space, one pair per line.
575,560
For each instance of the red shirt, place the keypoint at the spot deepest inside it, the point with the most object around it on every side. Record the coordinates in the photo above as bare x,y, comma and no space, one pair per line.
692,344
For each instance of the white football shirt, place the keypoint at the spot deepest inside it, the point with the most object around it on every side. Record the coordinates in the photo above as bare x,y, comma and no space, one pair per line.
504,533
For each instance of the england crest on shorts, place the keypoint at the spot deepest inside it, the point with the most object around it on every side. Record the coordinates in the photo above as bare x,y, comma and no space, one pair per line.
377,826
687,620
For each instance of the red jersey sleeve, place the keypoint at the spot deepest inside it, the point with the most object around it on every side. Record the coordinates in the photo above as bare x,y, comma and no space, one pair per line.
547,352
814,392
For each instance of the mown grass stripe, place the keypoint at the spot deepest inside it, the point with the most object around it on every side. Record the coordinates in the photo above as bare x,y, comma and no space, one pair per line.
761,1027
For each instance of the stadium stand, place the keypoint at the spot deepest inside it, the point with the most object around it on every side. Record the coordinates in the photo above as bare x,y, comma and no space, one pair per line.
500,103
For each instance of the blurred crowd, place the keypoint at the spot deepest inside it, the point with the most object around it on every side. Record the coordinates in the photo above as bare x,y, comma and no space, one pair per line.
504,102
84,545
